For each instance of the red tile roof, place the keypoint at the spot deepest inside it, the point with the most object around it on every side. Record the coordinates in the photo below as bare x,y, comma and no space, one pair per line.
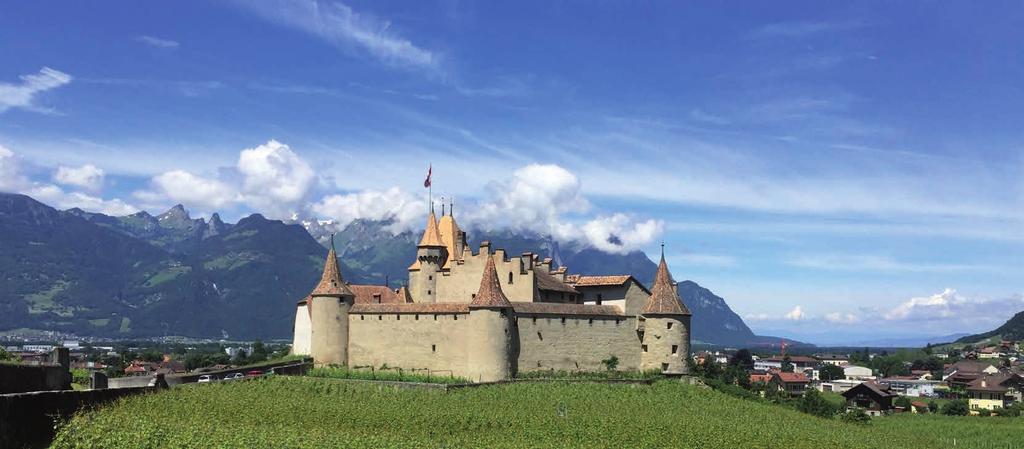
368,294
331,283
791,378
490,294
552,308
664,300
412,307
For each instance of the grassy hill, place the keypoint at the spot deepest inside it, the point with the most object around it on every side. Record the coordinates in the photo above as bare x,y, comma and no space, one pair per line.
305,412
1012,330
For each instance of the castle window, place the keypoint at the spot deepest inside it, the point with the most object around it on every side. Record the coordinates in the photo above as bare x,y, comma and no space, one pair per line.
455,317
435,317
599,298
472,296
417,316
616,322
510,277
563,320
664,367
380,317
398,317
669,325
675,349
643,348
590,321
534,320
429,292
433,348
541,337
362,317
430,278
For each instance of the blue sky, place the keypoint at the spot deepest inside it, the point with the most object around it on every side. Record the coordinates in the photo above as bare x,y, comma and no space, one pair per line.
836,172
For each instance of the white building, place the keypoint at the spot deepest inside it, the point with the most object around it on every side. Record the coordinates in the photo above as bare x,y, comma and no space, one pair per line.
858,373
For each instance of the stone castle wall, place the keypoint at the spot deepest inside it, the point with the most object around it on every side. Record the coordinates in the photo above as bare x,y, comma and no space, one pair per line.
576,342
410,341
463,280
303,329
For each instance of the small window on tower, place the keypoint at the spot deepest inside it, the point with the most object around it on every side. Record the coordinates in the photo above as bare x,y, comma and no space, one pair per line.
509,277
664,367
675,349
417,316
643,348
430,278
429,292
433,348
670,325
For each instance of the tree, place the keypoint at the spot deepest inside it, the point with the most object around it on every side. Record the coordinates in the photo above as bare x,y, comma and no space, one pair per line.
787,366
956,408
611,363
742,359
933,406
903,402
814,403
151,355
6,356
831,372
259,352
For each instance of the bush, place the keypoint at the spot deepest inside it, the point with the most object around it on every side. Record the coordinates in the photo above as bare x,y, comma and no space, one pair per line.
1012,411
814,403
611,363
81,376
856,416
956,408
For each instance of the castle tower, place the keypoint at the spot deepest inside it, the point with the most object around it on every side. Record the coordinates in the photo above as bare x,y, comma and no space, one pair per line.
490,339
431,256
329,304
451,236
666,340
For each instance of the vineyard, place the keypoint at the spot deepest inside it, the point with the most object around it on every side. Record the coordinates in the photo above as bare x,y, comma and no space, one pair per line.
313,413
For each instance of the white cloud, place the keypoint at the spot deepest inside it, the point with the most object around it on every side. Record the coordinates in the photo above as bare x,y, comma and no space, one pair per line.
406,210
535,198
23,95
11,179
190,189
842,318
846,262
620,233
275,179
87,176
342,27
796,314
941,305
157,42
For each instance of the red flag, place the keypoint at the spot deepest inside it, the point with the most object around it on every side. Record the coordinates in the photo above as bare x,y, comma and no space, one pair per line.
426,182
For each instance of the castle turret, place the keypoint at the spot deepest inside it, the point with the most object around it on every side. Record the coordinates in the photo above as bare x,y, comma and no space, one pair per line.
329,305
491,338
666,339
431,256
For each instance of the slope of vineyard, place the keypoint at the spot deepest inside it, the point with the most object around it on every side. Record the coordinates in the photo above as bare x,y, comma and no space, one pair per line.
313,413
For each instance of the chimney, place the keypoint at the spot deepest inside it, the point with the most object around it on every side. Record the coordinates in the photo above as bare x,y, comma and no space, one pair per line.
499,254
527,259
545,266
485,247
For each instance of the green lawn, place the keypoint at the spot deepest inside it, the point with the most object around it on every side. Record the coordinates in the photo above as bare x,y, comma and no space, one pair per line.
309,412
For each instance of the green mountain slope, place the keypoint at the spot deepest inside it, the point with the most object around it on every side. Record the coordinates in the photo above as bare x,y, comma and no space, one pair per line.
1012,330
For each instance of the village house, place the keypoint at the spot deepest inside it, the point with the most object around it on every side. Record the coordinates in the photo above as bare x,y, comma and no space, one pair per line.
875,399
854,372
794,384
992,391
834,359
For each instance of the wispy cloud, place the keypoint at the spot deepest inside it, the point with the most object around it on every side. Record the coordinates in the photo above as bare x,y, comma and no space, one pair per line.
341,26
856,262
23,95
158,42
802,29
188,88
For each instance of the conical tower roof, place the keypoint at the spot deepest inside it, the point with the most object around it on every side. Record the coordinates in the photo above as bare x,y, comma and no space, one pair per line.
331,283
490,294
431,235
664,300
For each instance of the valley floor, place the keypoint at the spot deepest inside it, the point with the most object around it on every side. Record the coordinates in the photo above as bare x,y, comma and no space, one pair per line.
313,413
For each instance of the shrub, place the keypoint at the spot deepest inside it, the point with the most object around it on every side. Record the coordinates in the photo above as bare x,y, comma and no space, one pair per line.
956,408
611,363
814,403
856,416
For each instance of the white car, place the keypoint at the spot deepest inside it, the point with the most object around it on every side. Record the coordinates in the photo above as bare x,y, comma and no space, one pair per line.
234,376
207,378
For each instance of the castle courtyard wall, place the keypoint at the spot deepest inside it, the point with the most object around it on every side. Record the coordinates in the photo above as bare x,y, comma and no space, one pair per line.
576,342
463,280
433,341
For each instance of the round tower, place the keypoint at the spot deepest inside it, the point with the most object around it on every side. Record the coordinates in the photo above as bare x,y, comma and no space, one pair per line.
491,338
431,255
329,305
666,338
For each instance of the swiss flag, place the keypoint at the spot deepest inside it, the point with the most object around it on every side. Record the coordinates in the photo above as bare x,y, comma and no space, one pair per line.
430,170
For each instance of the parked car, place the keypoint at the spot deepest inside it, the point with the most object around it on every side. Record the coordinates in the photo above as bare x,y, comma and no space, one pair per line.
234,376
207,378
254,373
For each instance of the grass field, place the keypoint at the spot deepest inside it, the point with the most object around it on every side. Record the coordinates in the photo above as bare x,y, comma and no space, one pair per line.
308,412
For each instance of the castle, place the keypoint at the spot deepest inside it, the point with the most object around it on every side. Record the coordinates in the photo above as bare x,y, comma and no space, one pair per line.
486,316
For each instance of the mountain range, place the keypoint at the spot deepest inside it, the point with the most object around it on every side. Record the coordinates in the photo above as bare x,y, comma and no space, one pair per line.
1012,330
141,275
